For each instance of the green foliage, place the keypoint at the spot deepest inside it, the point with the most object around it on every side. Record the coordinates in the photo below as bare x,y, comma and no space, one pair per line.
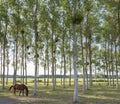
22,31
97,21
77,18
88,5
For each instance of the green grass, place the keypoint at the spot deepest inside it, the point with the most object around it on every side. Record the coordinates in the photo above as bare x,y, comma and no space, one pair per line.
99,93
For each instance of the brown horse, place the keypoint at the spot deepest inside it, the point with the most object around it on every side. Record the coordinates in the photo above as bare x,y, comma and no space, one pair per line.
20,87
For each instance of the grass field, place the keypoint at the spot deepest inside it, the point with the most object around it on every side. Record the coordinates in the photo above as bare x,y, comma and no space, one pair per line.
97,94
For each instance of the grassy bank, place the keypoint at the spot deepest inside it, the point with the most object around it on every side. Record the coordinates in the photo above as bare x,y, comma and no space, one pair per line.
99,93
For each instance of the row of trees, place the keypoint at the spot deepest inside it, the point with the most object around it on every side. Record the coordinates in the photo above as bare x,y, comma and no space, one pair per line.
55,34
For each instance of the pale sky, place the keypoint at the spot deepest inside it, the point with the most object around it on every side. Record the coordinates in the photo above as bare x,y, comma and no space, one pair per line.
30,70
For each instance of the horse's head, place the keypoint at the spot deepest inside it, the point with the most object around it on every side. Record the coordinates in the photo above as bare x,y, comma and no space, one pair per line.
26,91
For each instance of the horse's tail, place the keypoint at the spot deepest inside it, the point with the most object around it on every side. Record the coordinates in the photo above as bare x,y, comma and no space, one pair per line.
10,87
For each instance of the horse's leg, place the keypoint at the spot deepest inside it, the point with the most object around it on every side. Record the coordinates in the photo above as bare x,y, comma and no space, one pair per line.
14,91
19,92
23,92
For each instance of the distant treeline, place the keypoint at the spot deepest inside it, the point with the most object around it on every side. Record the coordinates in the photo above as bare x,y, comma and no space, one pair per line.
40,76
62,76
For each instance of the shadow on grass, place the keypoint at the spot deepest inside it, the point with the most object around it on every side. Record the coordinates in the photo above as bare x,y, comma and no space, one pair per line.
45,95
87,100
8,100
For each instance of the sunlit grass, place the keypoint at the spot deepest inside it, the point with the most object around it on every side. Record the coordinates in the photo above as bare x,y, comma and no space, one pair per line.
99,93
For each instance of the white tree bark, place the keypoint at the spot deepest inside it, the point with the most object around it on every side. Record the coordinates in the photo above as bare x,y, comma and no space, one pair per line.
36,46
74,65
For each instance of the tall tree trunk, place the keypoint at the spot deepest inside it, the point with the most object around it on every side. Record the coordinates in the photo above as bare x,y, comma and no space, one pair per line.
55,72
1,62
1,56
70,72
75,97
55,58
45,71
48,76
87,41
4,47
16,47
74,65
86,63
106,64
112,69
95,69
15,62
70,62
116,57
23,66
109,71
61,76
53,61
116,65
7,65
119,17
36,47
25,62
83,65
90,61
64,60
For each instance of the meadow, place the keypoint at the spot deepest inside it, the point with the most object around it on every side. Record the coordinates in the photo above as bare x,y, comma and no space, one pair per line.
99,93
